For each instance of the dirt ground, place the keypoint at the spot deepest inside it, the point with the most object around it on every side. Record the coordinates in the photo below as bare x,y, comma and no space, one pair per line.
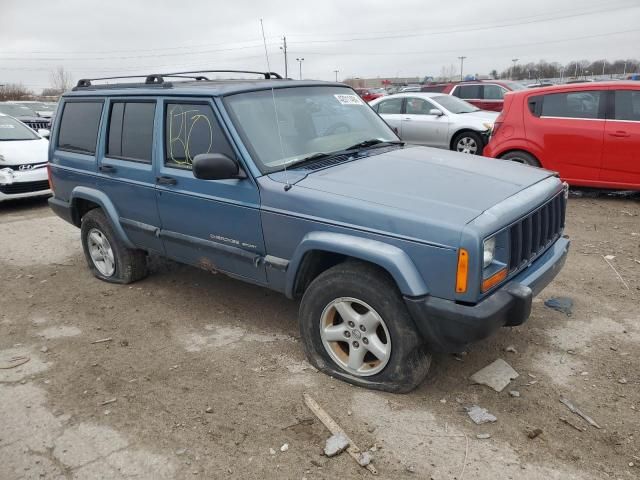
207,373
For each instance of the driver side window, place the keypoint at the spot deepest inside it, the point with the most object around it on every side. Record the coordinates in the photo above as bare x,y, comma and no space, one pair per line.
393,106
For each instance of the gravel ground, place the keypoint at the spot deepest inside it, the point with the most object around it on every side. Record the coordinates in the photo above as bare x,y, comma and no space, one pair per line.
204,375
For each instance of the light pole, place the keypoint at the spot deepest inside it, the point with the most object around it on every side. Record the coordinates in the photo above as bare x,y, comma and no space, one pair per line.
336,72
284,49
300,60
624,72
514,60
461,58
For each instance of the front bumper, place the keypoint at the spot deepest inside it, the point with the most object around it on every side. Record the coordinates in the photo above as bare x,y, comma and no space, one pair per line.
23,183
447,326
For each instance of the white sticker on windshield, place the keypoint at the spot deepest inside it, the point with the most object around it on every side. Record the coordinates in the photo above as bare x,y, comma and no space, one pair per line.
348,99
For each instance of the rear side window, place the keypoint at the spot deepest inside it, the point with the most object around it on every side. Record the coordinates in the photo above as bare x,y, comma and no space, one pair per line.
627,104
392,106
493,92
79,126
131,131
433,88
191,129
468,91
582,104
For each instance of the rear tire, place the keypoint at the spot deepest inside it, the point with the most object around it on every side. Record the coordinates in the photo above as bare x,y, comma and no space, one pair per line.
468,142
107,256
364,295
521,157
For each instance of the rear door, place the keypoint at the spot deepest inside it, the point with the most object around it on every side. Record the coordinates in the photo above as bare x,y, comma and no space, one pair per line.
391,112
568,128
493,97
125,167
422,128
621,152
214,224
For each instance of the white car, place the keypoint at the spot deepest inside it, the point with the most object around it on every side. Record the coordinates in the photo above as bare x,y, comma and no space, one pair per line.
23,160
437,120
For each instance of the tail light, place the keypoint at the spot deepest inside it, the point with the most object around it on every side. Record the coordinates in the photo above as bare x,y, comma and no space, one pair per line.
497,124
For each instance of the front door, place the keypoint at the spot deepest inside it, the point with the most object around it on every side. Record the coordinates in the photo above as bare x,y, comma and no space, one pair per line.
419,126
621,152
213,224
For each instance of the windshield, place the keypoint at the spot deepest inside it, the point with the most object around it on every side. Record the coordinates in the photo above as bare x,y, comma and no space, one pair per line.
16,110
454,104
11,129
312,120
36,106
515,85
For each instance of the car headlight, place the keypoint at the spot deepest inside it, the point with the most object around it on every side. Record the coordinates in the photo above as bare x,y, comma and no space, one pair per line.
489,253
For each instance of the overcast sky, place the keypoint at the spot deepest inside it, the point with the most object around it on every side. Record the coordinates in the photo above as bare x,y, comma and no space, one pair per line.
358,38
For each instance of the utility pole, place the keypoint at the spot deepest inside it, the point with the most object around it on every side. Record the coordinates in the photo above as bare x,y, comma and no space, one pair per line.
461,58
513,69
300,60
284,50
624,72
336,72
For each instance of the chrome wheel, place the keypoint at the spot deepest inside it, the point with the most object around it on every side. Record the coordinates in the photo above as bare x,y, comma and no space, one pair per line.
355,336
101,252
467,145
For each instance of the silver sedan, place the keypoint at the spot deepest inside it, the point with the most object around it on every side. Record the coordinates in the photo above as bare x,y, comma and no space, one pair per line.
437,120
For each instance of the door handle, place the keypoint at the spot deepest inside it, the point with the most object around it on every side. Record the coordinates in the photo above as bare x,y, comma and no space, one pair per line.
107,169
164,180
407,119
620,133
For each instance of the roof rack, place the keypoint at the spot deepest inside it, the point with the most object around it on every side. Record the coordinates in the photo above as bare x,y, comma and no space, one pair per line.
157,79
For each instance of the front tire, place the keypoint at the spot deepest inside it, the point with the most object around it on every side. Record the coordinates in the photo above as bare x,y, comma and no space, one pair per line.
355,327
468,142
107,256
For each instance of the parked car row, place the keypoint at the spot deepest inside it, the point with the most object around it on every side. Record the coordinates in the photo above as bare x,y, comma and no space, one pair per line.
26,114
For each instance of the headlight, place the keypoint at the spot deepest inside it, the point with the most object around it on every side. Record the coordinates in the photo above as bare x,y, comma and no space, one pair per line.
489,251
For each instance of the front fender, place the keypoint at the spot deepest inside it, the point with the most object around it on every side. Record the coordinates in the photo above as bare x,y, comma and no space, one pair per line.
392,259
96,196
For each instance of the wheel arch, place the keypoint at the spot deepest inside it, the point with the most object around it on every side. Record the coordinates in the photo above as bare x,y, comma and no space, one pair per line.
458,132
319,251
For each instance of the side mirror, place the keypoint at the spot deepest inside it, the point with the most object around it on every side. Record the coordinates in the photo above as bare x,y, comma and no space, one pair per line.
216,166
436,112
44,133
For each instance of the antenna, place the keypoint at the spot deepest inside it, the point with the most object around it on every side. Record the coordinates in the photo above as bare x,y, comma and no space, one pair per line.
287,185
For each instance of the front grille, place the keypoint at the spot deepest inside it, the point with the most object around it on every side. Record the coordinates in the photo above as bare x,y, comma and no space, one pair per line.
24,187
38,124
532,234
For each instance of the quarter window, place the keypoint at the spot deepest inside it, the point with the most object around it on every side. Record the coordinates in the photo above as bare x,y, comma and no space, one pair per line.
79,126
131,130
191,129
393,106
582,104
627,103
468,91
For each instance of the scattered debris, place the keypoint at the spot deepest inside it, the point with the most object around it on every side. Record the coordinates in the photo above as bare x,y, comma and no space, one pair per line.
606,259
511,349
571,424
514,393
272,451
103,340
209,410
107,402
560,304
44,349
609,257
483,436
371,429
284,447
335,429
181,451
496,375
578,412
622,380
14,362
534,433
443,400
365,459
480,415
410,468
124,343
336,444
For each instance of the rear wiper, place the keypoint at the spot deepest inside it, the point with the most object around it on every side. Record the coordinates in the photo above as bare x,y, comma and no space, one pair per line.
373,141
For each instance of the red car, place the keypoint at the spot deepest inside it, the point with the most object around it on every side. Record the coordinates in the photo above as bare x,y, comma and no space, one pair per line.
588,132
368,94
484,94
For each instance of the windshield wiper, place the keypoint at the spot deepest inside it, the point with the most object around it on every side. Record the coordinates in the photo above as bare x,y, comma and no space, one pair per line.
373,142
308,158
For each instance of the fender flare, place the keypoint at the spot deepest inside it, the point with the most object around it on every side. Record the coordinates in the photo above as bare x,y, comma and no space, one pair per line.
389,257
107,206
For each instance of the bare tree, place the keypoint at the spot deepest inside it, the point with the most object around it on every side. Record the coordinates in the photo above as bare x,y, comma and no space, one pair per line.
60,79
13,91
447,73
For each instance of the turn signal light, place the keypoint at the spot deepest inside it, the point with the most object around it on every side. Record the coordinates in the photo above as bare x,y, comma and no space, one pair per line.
463,271
494,279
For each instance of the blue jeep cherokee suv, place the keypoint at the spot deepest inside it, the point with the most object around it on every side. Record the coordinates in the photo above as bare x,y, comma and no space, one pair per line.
299,186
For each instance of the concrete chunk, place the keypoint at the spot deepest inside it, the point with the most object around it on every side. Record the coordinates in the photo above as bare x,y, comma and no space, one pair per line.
336,444
496,375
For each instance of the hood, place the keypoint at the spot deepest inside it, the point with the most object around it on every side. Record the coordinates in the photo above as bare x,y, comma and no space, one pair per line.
416,192
21,152
481,115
